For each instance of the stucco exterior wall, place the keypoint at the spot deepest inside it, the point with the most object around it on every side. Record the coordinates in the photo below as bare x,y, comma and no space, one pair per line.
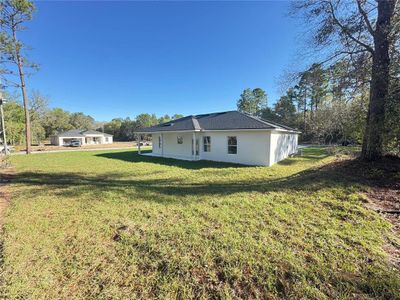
156,149
282,145
252,147
173,149
107,140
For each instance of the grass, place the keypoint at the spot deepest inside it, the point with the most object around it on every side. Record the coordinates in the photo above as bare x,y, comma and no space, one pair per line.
102,225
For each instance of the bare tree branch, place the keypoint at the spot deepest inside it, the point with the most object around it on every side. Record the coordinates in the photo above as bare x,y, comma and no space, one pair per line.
345,29
365,17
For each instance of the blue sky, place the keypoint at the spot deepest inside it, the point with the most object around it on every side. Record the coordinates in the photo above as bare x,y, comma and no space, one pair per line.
119,59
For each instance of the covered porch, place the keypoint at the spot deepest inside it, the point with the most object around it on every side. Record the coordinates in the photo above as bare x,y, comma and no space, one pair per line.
65,141
169,156
183,145
93,139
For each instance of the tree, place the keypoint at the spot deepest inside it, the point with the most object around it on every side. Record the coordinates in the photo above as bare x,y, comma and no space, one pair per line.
38,106
164,119
81,121
285,109
14,120
360,30
146,120
56,120
318,86
14,13
127,129
252,101
269,114
176,116
113,127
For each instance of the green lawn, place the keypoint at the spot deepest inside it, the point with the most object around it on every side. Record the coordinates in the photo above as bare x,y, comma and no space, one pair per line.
113,224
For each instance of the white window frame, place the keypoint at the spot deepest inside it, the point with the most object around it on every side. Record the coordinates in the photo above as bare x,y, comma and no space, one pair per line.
179,139
235,146
207,144
159,142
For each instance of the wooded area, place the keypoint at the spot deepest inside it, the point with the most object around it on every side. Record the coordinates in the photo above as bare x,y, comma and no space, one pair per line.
351,93
47,121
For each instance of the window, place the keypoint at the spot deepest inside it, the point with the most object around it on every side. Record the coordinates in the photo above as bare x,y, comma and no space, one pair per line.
207,143
159,142
232,145
107,139
180,139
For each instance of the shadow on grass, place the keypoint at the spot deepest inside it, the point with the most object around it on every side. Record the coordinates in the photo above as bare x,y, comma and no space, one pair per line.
134,157
177,189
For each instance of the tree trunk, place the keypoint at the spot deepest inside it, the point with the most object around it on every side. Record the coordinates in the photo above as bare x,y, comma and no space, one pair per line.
373,139
305,113
24,94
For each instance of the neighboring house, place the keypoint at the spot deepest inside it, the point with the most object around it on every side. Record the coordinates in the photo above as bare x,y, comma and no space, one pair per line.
229,136
87,137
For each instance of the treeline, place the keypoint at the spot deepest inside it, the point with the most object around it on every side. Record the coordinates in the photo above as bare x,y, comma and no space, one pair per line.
47,121
353,93
323,104
328,105
123,129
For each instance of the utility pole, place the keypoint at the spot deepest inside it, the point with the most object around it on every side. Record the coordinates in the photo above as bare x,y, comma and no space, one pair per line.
3,125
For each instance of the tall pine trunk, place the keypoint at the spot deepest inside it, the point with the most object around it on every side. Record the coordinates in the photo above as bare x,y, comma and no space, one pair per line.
24,94
379,90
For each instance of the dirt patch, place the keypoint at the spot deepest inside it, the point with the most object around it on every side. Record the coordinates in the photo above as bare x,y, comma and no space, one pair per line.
5,196
383,178
386,201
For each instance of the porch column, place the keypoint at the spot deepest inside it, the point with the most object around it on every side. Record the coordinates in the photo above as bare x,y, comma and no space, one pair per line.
162,144
194,145
139,140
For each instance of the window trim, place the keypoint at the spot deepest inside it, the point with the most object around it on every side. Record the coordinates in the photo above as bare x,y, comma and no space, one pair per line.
179,139
206,145
230,146
159,142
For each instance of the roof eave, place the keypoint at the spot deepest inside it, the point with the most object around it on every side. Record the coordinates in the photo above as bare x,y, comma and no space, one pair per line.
166,131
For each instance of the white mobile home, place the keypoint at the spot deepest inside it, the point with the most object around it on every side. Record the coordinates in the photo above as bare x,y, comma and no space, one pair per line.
226,137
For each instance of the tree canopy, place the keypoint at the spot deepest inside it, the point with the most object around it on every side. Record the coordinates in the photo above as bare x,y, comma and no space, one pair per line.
252,101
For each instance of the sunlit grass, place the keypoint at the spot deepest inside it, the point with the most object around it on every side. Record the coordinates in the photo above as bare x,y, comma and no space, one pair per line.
101,225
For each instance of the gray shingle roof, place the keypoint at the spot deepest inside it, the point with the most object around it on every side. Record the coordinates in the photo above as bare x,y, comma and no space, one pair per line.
229,120
80,133
95,132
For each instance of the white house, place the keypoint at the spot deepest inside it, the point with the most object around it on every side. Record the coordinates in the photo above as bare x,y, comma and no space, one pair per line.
87,137
229,136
